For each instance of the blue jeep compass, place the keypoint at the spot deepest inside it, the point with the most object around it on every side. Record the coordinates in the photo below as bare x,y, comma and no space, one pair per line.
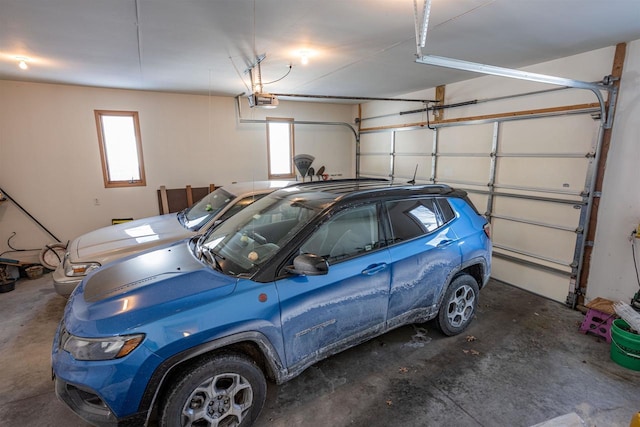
189,333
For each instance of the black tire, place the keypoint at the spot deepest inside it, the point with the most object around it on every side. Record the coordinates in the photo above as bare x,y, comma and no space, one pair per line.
223,390
458,305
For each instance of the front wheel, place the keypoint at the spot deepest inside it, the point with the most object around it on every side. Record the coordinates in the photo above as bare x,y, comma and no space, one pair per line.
226,390
458,306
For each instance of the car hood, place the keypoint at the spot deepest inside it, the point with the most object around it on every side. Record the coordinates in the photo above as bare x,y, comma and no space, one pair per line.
116,241
142,288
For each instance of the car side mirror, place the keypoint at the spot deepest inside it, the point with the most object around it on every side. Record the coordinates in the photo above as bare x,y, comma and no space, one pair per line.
309,265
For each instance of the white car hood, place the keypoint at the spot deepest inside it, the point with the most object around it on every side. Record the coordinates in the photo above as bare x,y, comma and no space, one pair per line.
109,243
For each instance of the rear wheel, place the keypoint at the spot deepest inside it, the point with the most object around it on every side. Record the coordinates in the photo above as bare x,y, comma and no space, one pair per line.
459,305
223,391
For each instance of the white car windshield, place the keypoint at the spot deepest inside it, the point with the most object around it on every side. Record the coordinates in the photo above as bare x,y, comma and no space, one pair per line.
207,208
244,242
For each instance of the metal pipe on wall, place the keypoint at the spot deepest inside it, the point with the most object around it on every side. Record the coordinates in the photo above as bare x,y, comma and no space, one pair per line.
19,206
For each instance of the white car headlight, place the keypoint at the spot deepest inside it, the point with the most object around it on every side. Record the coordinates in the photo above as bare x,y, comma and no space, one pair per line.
100,348
79,269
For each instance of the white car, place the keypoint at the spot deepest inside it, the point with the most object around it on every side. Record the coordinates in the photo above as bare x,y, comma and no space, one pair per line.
92,250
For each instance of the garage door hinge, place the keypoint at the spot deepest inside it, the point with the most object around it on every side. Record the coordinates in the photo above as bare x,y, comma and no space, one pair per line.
571,299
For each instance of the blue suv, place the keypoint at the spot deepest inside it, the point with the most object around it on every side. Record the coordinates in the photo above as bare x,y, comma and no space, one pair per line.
190,333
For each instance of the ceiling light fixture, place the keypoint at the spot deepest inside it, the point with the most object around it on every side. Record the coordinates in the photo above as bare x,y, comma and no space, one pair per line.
22,62
304,57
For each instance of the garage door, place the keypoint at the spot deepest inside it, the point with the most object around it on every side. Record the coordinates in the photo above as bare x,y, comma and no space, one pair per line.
530,176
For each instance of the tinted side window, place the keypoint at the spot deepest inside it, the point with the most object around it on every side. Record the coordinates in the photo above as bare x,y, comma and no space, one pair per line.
348,233
445,210
412,218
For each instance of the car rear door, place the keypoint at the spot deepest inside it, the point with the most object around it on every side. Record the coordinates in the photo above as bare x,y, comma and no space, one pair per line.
327,313
424,250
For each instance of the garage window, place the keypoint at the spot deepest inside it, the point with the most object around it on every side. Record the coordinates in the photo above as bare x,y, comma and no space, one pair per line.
120,148
280,148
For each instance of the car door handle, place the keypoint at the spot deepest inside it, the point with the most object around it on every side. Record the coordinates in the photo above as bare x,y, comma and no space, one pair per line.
373,269
444,243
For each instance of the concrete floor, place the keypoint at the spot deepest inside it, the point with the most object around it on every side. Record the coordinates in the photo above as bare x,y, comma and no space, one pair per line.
521,362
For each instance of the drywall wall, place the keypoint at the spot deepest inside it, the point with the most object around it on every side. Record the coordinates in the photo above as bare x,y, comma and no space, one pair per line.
50,162
612,274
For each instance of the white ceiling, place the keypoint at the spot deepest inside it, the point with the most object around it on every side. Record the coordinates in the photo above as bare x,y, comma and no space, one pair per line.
360,47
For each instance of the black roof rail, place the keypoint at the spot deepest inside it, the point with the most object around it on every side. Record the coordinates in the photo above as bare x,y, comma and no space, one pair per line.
341,180
354,188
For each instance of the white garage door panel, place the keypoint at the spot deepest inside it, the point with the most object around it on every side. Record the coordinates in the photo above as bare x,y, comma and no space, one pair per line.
414,141
479,201
405,166
566,134
471,169
548,173
563,215
545,242
541,282
375,165
466,139
375,143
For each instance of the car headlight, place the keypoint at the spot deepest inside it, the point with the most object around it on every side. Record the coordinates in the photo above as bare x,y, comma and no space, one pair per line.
79,269
100,348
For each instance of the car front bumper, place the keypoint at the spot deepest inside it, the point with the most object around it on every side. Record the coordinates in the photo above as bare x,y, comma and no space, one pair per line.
63,284
102,392
91,408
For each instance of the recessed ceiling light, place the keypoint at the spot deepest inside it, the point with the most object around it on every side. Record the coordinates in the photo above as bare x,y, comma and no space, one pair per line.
22,62
304,55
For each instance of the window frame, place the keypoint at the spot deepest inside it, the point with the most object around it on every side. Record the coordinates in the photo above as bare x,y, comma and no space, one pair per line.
108,182
437,212
292,173
338,214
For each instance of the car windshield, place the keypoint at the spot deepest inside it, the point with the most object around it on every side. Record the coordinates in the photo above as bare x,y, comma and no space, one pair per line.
207,208
244,242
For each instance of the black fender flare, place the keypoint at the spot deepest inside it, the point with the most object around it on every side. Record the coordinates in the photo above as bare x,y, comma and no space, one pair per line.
274,365
480,260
